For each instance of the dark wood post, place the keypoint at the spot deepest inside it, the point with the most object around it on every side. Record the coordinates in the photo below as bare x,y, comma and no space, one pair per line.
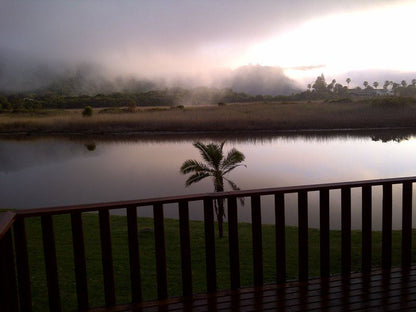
279,201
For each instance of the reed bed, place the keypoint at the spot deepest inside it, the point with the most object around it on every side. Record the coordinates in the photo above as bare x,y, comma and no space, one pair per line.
232,117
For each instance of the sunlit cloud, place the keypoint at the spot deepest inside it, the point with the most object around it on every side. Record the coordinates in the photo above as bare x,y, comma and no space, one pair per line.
380,38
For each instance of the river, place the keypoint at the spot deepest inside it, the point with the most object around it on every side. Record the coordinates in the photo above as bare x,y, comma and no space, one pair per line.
42,172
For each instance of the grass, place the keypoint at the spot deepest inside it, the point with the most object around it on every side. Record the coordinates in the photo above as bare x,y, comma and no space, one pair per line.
234,117
147,258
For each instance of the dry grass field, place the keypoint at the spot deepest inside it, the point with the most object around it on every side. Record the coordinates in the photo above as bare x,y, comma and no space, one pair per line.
228,118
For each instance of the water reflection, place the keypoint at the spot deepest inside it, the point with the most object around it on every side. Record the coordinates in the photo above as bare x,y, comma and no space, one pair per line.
91,146
62,171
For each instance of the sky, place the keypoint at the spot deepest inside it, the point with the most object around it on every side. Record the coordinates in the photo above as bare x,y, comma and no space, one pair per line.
194,37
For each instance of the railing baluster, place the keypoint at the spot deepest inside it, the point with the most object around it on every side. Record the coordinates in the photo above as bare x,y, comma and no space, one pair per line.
160,248
79,260
22,264
279,202
303,235
5,303
211,269
233,243
257,240
4,296
324,231
186,263
107,257
51,263
346,230
134,255
366,228
8,273
387,226
407,225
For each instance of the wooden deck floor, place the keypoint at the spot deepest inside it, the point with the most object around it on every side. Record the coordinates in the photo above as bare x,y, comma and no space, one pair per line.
393,290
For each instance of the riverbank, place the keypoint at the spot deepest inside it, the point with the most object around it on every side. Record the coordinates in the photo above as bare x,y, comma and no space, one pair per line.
63,234
231,118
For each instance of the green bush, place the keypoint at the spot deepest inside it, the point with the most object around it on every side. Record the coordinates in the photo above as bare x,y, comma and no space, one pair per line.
87,112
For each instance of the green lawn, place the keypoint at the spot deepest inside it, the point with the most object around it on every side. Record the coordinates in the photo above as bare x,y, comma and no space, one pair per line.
146,241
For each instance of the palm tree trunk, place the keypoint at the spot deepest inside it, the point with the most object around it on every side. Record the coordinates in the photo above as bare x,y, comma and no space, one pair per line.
220,217
220,209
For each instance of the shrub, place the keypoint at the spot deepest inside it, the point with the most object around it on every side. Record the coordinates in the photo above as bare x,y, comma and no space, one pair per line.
222,104
87,112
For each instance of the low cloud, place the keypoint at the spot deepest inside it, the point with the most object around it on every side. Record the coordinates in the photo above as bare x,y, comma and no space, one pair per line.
143,38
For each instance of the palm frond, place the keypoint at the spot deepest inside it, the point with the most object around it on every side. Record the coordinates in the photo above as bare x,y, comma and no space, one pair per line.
232,184
192,165
196,178
233,158
204,151
211,153
235,188
233,167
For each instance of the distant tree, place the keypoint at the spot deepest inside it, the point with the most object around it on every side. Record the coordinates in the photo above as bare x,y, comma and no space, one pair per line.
386,84
395,88
331,86
339,89
375,84
404,83
413,82
4,103
348,82
309,86
320,85
365,84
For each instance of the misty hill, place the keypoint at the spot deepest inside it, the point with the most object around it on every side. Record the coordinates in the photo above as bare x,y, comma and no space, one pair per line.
20,72
264,80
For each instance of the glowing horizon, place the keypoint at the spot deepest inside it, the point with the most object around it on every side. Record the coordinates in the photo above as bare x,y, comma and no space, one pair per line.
334,44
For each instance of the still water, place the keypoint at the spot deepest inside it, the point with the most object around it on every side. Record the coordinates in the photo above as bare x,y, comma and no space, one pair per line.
56,171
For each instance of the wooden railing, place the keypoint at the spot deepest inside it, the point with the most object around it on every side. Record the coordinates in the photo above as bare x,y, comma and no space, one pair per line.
15,280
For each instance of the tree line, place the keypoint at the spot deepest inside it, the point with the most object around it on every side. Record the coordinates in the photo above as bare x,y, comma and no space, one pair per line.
320,89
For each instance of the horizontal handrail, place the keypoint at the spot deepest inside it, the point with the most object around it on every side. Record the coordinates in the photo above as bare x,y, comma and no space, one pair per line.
6,221
197,197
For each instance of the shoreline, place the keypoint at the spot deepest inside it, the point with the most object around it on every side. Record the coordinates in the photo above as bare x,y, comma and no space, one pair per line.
387,133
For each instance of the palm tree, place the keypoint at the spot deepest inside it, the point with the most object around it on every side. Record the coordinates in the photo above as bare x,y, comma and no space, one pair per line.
348,82
215,165
365,83
375,84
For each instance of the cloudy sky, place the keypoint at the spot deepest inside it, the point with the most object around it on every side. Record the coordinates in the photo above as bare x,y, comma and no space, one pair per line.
193,36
